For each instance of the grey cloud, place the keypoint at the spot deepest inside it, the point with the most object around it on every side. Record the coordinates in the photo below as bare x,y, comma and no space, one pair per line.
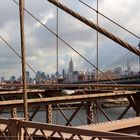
41,45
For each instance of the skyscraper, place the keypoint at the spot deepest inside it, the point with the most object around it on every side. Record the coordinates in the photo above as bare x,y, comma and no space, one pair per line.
71,66
128,66
70,71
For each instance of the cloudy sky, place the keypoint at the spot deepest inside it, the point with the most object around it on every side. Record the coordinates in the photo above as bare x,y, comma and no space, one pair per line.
41,44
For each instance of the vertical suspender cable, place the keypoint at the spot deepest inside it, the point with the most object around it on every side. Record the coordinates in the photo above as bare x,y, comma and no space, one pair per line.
57,42
97,59
57,54
95,27
21,10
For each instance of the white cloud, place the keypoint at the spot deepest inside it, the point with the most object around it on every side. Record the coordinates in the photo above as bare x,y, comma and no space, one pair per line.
45,17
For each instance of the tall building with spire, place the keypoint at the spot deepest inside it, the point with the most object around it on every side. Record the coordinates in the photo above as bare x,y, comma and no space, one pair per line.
71,66
70,71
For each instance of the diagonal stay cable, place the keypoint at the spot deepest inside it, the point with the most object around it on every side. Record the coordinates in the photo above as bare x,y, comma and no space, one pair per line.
68,44
109,19
18,55
115,24
94,26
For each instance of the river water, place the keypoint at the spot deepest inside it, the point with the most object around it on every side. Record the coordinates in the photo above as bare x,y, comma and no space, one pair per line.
113,113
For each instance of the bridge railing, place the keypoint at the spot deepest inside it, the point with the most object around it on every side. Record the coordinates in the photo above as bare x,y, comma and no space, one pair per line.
18,129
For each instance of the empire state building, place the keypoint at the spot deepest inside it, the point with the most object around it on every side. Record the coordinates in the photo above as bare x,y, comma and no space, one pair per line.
71,66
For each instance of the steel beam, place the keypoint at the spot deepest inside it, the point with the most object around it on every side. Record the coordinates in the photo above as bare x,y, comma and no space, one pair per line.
67,132
124,112
130,125
2,93
102,110
23,57
65,99
64,115
74,114
64,86
34,113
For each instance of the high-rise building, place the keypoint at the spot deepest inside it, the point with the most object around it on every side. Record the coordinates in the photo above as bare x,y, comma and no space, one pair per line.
128,66
12,79
27,73
117,70
28,76
2,79
71,66
70,71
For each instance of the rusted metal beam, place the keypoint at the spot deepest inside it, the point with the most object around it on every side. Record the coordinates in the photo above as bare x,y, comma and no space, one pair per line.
102,110
66,118
64,99
132,102
21,92
137,102
23,57
124,112
63,86
67,132
90,132
130,125
96,27
34,113
74,114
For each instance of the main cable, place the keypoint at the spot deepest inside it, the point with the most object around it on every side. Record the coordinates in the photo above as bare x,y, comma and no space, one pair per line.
109,19
96,27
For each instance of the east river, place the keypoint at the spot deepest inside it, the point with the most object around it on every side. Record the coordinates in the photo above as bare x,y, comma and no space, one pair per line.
113,113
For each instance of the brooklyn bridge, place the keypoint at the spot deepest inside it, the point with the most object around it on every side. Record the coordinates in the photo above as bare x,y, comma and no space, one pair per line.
71,107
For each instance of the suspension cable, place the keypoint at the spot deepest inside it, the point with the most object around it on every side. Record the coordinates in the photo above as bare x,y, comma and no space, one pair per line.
97,36
68,45
120,59
109,19
95,27
97,11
